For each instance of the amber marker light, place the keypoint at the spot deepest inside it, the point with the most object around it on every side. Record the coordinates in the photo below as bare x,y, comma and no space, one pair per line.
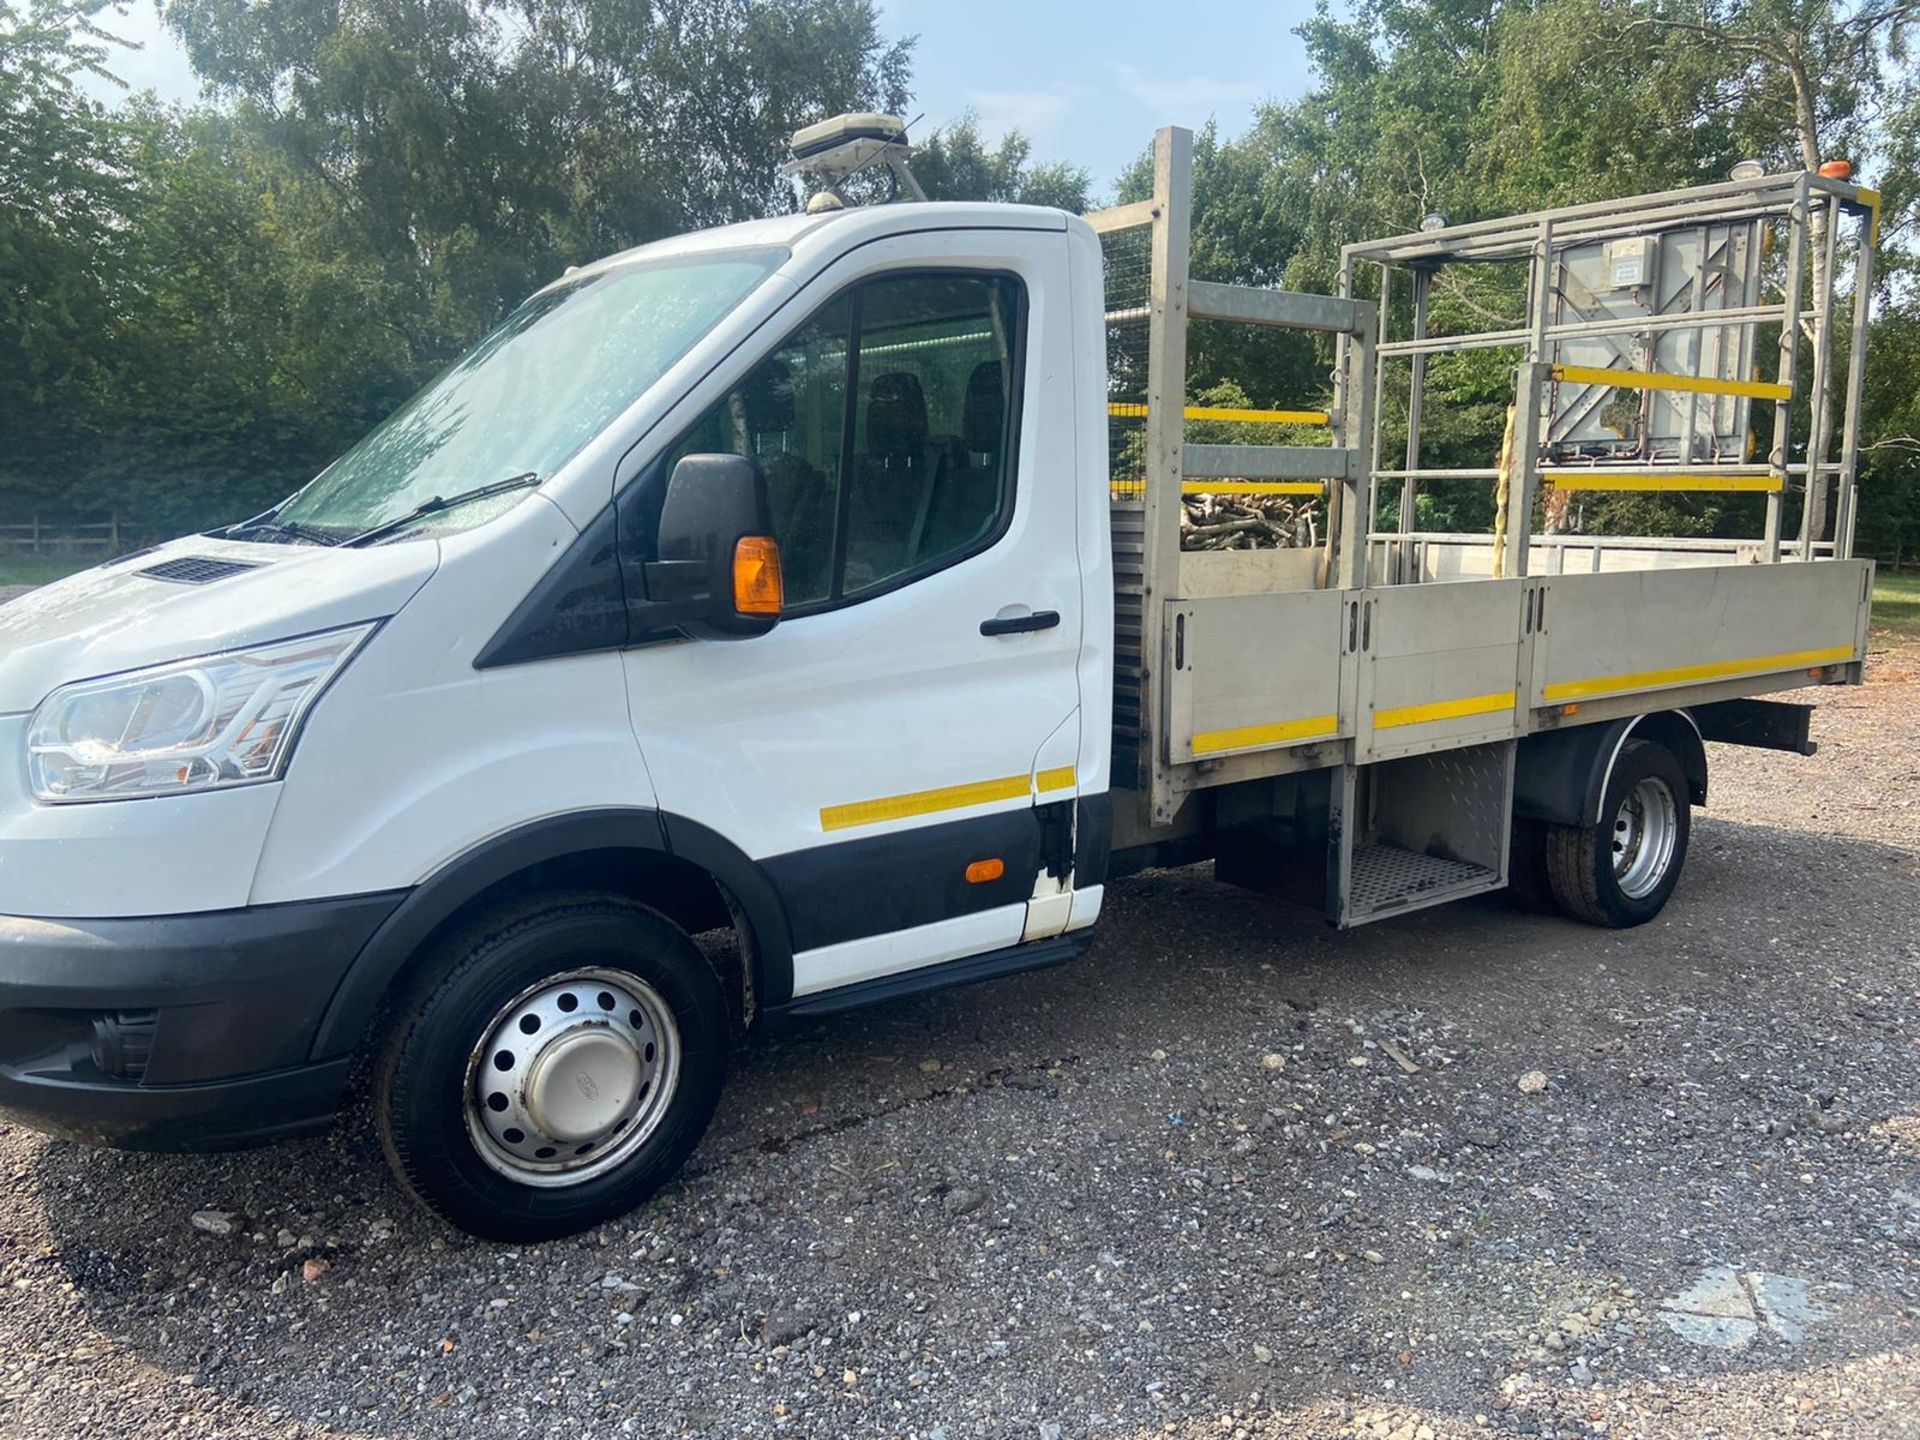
981,871
757,586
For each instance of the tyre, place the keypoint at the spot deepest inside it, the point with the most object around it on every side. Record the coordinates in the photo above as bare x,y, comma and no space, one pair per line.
553,1067
1621,871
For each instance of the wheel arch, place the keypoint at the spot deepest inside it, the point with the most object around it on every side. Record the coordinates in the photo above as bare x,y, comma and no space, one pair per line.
1561,776
696,877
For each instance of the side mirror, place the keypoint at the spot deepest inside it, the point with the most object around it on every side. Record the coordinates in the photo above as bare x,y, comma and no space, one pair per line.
718,571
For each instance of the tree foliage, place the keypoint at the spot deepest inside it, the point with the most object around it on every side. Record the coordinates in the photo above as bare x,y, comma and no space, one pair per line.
956,164
200,306
1478,108
213,302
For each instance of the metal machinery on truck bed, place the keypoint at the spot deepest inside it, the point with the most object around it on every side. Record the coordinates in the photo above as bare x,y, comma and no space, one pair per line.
1406,670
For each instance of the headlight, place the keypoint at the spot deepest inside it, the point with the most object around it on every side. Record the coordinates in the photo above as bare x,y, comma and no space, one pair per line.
202,724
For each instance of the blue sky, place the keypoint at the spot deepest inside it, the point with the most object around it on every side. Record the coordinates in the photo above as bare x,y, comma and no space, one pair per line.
1086,83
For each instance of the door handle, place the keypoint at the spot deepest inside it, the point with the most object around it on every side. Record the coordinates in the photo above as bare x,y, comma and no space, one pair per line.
1020,624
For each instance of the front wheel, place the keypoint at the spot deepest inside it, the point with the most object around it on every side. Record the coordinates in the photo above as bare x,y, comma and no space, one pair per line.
553,1068
1621,871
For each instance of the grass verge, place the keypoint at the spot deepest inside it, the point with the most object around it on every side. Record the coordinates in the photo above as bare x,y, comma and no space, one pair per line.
24,569
1896,604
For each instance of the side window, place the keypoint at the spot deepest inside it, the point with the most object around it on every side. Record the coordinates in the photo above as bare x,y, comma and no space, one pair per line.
930,470
917,471
790,414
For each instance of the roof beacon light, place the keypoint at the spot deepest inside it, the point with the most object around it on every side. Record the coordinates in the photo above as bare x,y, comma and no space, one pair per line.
1836,169
1433,221
1746,170
835,149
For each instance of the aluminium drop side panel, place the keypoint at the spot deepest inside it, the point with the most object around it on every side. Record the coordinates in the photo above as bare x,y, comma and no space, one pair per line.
1665,631
1437,667
1254,672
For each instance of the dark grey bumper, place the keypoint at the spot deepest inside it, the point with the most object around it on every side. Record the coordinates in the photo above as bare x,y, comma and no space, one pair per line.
178,1032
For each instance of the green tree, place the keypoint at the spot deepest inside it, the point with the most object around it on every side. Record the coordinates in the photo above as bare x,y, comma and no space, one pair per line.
956,164
1889,524
212,302
1479,108
65,177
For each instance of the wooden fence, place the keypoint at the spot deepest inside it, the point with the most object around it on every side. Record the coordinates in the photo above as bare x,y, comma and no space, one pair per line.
41,538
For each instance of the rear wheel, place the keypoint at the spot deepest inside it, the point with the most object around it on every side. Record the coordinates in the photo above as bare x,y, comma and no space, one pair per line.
1621,871
553,1068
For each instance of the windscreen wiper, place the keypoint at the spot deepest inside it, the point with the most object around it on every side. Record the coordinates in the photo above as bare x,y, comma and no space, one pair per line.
280,529
436,504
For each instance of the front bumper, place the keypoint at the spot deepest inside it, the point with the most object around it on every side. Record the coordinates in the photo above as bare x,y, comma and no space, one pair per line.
179,1032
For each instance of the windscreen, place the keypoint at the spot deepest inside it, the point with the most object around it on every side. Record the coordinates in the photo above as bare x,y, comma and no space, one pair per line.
531,394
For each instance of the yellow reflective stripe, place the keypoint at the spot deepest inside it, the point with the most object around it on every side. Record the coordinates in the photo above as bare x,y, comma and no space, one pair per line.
1686,674
1258,417
949,797
1252,487
1443,710
1061,779
1598,480
1659,380
1870,199
1127,410
1315,727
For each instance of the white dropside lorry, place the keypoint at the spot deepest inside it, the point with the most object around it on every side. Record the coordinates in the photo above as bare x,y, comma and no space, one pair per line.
822,578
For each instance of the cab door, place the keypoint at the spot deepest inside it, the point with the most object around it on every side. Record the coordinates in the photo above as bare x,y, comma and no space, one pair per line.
901,753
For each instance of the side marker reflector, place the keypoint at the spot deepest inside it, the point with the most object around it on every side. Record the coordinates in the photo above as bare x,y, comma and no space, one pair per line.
981,871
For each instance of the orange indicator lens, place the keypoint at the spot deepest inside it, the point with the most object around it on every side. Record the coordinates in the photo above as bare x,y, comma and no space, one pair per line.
757,586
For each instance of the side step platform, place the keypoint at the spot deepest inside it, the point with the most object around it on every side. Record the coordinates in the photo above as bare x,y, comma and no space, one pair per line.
1418,831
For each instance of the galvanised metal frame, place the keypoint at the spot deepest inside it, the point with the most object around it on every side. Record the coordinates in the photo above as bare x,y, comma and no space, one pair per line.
1240,716
1810,208
1173,465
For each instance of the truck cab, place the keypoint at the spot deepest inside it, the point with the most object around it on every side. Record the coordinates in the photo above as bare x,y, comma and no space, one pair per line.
822,580
388,747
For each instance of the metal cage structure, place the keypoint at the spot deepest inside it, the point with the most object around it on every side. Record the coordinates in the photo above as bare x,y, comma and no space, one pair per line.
1150,300
1713,279
1641,322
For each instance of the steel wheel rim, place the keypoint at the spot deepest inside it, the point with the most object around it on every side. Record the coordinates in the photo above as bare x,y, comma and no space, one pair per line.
563,1086
1645,831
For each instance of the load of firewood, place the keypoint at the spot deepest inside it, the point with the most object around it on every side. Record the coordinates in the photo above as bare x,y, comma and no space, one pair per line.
1249,522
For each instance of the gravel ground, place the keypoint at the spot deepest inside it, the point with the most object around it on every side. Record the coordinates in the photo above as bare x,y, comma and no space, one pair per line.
1232,1174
